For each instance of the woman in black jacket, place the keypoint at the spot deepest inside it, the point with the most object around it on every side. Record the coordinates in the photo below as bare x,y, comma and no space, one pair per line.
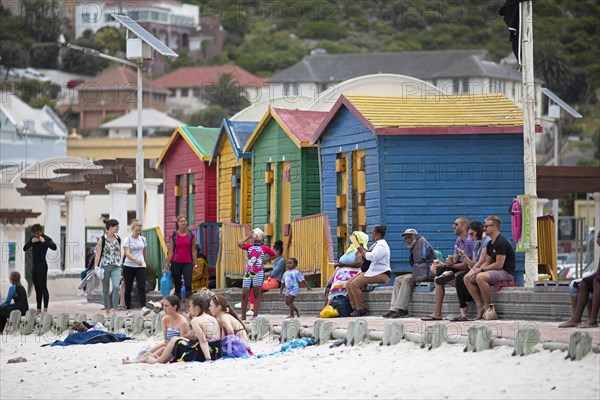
39,274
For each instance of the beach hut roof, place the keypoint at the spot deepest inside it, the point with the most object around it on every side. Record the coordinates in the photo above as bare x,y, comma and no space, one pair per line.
238,133
201,140
299,125
431,115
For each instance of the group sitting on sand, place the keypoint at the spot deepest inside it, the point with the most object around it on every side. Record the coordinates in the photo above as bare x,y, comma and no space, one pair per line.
216,332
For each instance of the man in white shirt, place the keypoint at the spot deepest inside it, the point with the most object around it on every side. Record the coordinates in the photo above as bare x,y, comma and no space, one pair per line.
379,270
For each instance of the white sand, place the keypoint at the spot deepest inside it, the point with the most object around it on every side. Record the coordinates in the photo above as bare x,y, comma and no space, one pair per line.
317,372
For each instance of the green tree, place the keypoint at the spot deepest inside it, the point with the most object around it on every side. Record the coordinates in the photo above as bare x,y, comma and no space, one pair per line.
110,40
44,55
211,116
12,55
227,93
79,63
553,65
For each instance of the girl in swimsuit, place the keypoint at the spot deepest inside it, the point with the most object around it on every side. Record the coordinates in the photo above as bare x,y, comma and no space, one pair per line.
206,344
229,322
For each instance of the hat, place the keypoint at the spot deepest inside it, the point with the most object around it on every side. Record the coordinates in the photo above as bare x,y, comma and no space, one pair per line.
410,231
257,232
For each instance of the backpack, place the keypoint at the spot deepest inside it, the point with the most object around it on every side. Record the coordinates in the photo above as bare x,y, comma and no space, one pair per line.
174,239
253,257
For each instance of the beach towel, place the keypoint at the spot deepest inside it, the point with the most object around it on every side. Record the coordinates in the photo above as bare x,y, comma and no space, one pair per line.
89,337
89,283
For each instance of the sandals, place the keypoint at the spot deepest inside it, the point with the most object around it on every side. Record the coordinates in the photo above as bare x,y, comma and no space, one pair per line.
430,318
443,279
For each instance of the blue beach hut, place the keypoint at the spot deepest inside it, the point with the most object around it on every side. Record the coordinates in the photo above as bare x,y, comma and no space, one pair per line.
419,162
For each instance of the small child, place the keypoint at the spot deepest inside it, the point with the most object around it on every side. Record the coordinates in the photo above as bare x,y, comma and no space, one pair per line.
292,280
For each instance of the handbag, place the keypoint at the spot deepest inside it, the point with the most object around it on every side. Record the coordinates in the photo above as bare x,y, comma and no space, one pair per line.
165,284
365,265
490,313
329,312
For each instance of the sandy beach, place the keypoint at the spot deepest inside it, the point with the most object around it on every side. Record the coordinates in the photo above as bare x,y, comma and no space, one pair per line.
363,371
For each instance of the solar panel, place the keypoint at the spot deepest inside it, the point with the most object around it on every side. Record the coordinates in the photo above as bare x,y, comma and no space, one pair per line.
143,34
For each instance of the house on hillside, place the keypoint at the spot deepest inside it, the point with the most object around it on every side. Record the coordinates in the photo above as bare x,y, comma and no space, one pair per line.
114,93
285,170
190,181
234,172
387,161
29,135
454,72
154,123
190,87
180,26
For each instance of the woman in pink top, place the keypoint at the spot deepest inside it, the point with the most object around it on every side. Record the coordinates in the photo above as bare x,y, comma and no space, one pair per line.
180,258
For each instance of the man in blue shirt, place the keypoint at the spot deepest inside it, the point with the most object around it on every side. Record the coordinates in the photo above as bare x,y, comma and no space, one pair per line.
445,272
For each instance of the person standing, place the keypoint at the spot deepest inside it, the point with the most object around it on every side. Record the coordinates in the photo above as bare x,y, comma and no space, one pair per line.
254,273
16,299
40,243
181,258
108,259
134,267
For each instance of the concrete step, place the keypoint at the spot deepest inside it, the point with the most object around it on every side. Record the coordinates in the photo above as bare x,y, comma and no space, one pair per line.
510,303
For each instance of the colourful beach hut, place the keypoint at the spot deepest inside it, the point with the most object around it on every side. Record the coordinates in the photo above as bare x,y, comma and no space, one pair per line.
419,162
234,172
285,170
190,182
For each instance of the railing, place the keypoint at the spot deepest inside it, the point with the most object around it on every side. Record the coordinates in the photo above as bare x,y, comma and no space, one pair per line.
208,237
310,243
231,260
546,247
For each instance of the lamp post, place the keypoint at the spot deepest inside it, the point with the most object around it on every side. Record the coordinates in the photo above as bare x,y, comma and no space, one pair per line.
139,159
140,47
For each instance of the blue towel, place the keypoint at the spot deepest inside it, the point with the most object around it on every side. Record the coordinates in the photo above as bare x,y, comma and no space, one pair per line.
89,337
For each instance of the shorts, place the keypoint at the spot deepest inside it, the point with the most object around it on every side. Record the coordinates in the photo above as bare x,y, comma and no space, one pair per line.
292,292
589,280
253,280
186,351
497,275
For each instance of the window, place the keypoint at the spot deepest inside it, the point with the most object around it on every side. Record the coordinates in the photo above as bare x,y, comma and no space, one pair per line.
179,195
185,92
172,92
191,189
513,91
465,87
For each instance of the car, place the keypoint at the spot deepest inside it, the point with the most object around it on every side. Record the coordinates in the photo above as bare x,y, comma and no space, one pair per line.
561,258
31,73
74,83
569,269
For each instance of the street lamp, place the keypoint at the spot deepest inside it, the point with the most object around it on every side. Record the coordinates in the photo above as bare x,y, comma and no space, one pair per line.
139,48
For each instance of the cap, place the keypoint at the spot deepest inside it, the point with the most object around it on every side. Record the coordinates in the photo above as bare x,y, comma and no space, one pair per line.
410,231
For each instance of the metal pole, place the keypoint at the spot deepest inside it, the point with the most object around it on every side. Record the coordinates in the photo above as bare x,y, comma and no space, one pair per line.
530,168
555,205
139,160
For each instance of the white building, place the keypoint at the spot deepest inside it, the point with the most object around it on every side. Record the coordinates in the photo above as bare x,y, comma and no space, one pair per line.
154,122
29,135
451,71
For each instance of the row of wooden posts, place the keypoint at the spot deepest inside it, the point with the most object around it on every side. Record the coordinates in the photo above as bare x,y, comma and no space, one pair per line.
479,338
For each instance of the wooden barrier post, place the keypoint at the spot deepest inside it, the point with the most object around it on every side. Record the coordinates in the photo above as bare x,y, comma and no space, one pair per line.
479,338
290,329
393,332
525,340
580,343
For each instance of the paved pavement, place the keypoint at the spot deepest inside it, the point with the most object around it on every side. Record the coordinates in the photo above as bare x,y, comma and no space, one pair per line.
549,331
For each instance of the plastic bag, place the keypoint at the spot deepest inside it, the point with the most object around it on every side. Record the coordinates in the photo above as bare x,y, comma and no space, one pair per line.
329,312
99,271
165,284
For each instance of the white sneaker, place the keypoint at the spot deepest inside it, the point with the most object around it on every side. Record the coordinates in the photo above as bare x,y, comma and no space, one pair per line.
154,305
82,293
129,313
249,313
146,311
238,305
